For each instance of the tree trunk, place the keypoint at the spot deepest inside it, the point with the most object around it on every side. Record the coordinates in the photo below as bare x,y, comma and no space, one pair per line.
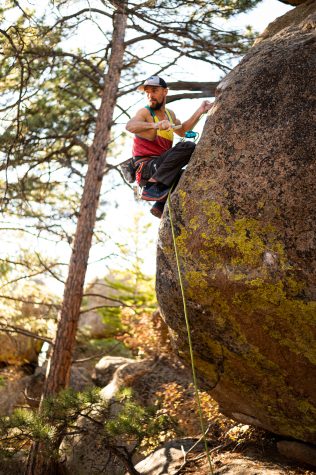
60,362
58,371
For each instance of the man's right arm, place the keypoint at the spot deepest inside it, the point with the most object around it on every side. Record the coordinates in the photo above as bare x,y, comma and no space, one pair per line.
142,124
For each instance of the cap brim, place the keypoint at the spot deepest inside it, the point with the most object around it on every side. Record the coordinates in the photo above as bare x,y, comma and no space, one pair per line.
142,87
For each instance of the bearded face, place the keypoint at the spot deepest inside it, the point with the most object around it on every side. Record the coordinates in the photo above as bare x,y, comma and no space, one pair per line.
156,96
155,105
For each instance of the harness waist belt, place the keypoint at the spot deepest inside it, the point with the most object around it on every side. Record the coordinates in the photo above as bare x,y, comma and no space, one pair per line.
138,160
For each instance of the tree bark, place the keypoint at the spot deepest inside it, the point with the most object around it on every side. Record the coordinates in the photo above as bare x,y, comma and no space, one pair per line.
58,371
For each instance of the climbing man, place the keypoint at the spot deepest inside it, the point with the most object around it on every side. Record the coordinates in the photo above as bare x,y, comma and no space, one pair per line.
157,163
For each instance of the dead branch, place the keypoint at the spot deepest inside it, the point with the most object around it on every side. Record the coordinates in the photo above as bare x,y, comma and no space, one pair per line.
30,302
14,329
99,355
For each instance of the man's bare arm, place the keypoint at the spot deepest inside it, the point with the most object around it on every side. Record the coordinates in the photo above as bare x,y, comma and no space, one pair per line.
190,123
143,125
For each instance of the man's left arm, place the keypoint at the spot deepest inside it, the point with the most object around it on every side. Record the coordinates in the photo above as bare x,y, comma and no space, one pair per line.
190,123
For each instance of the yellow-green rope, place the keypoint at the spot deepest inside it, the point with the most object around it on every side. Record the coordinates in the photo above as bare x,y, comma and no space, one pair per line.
196,388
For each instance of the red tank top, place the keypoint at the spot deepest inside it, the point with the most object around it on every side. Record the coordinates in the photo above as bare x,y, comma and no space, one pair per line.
162,142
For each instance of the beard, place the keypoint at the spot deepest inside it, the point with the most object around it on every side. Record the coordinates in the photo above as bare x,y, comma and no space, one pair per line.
156,105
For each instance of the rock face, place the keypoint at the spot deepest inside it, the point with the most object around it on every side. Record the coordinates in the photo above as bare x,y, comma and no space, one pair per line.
293,2
18,349
297,451
245,220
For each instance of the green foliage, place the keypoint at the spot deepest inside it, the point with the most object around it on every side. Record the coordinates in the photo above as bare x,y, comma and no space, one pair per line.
137,293
135,421
48,426
67,405
59,417
111,316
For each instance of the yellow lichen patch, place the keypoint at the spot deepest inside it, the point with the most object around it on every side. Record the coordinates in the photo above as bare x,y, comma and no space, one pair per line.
219,240
197,280
207,369
286,319
250,376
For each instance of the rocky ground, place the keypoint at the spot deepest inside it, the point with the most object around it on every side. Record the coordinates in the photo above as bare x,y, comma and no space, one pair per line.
156,374
235,449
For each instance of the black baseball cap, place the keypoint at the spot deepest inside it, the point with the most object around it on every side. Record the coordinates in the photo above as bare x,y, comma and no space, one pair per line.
153,81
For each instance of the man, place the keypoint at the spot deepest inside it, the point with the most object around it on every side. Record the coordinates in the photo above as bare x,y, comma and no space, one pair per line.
159,164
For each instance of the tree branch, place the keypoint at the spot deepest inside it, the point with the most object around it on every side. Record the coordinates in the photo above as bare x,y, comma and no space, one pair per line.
14,329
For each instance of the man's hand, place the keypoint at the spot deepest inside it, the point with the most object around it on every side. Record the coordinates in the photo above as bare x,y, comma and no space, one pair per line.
163,125
205,106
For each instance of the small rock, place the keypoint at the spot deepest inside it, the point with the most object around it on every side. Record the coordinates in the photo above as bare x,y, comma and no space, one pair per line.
167,459
298,451
106,367
126,375
240,464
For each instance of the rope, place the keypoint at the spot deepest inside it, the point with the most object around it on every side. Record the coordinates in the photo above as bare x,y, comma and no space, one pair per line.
196,388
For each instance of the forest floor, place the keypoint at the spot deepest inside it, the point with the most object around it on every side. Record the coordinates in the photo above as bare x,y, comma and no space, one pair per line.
236,449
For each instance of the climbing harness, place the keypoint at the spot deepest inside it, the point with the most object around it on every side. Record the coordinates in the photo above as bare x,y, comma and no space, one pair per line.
196,388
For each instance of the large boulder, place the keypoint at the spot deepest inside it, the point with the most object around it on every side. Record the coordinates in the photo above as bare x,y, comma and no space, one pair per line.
293,2
244,214
18,349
